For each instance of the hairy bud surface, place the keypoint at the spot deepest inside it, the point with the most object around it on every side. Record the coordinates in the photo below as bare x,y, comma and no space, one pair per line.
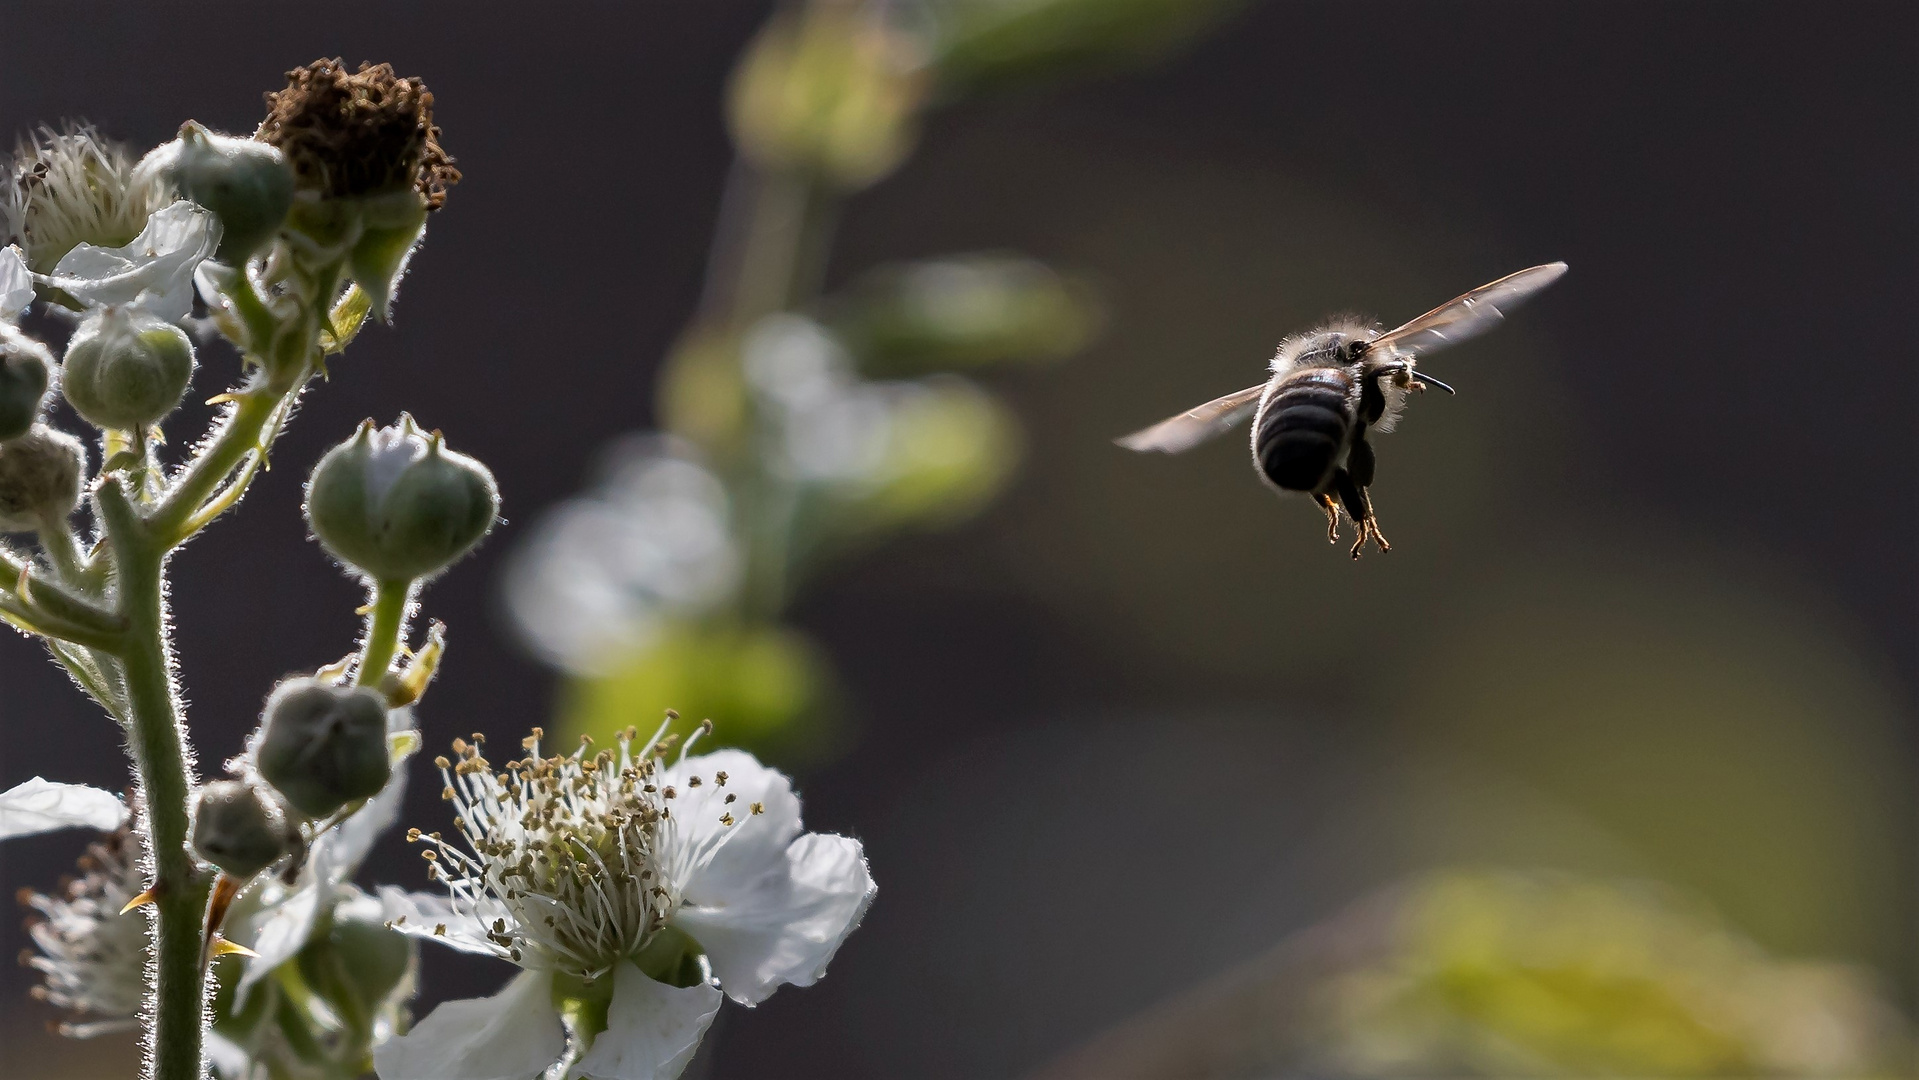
125,369
322,745
395,504
246,183
39,478
25,365
236,829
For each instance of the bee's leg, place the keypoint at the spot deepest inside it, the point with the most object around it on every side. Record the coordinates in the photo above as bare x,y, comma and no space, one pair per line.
1331,506
1379,538
1359,507
1360,460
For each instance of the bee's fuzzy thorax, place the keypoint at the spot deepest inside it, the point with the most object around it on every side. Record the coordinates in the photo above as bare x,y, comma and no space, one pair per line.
1318,347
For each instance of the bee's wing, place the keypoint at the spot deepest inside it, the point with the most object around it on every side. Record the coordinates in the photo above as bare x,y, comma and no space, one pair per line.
1469,315
1195,426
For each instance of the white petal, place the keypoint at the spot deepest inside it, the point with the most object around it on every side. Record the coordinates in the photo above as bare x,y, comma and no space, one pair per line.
280,933
155,271
422,915
757,842
338,853
16,284
230,1060
283,929
513,1035
652,1029
39,806
791,921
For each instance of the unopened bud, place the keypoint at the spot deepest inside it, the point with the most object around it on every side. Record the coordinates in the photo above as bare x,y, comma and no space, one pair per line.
831,90
323,746
395,504
245,182
358,955
24,367
236,828
125,370
39,478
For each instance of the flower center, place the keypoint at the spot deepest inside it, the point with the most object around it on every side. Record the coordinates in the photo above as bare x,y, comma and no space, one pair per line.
579,850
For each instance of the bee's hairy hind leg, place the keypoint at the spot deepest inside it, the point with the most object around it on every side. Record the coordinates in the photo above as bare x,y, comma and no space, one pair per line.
1359,507
1379,539
1331,506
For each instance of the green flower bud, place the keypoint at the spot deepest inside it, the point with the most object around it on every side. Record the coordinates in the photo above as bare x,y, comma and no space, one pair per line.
245,182
358,957
126,370
322,745
236,828
40,476
24,367
831,90
397,505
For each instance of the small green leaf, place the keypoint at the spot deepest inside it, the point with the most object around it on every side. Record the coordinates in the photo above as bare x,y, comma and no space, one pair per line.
346,319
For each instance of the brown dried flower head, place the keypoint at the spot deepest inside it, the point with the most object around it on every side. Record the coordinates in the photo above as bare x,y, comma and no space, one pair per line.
348,134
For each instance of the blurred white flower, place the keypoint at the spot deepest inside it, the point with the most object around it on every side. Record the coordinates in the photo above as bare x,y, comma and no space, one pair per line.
93,952
599,573
829,425
578,865
154,272
16,284
39,805
74,187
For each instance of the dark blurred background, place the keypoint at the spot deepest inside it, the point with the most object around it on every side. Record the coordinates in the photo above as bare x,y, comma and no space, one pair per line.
1649,612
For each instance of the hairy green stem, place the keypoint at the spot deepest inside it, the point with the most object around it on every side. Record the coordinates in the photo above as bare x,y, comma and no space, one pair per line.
385,622
239,437
166,784
63,551
782,255
292,350
53,599
775,262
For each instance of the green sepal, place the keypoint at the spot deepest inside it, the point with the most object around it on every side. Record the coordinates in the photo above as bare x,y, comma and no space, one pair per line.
393,228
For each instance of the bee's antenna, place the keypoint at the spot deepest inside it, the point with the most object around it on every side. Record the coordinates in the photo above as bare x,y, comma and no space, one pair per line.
1425,378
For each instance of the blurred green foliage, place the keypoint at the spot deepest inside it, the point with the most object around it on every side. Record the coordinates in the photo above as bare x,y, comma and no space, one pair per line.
980,43
832,90
1508,974
772,685
822,422
960,313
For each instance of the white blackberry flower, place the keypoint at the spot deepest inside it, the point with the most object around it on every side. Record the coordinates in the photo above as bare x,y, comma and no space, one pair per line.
830,426
154,272
38,806
591,866
600,575
16,284
92,951
74,187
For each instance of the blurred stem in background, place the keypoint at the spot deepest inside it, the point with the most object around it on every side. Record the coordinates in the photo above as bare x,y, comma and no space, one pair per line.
802,425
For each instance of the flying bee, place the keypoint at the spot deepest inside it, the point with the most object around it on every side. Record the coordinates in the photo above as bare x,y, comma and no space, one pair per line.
1329,388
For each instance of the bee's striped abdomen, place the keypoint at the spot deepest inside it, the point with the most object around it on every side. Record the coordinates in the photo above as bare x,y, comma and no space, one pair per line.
1303,429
